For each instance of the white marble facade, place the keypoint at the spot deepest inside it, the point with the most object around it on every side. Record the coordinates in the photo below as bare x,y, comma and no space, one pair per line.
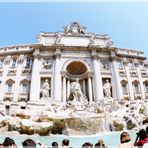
60,58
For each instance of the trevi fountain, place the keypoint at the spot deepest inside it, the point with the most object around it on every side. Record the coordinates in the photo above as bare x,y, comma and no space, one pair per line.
72,83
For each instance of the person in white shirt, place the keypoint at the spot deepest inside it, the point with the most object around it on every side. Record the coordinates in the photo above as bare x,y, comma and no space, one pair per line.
125,141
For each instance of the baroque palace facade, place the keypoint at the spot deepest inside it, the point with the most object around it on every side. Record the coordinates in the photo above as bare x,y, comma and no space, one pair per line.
60,58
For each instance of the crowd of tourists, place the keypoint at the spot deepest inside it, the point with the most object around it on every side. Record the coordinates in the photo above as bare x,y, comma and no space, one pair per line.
141,141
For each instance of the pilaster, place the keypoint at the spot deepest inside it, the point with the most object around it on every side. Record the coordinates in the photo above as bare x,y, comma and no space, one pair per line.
116,78
140,80
35,78
98,89
4,76
18,77
130,86
57,76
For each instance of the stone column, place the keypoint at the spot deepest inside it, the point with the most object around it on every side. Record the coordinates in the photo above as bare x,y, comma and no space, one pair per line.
84,86
98,89
130,86
116,78
64,89
140,80
57,76
35,78
17,86
90,89
68,89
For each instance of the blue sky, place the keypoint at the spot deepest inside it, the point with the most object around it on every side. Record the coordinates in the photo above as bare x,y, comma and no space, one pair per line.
126,23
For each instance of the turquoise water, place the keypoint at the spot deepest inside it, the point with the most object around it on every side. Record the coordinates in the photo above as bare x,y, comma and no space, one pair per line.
112,139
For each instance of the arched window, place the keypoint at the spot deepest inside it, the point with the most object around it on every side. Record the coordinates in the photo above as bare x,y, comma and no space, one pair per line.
25,86
28,63
9,86
136,86
146,86
124,86
14,63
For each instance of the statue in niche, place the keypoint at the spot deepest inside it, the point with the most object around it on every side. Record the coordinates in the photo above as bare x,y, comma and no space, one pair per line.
76,93
107,88
45,88
47,64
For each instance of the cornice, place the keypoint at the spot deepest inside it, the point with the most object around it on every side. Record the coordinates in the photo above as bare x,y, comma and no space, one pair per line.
19,49
21,45
131,56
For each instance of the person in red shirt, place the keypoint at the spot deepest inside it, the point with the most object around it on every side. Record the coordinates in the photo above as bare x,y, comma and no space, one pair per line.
147,130
141,138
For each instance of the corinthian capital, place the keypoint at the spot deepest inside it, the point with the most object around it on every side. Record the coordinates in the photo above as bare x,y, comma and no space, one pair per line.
20,59
90,74
7,59
94,55
63,73
36,53
57,54
125,61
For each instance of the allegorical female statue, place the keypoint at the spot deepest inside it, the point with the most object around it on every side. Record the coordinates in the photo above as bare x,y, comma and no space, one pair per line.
45,89
107,88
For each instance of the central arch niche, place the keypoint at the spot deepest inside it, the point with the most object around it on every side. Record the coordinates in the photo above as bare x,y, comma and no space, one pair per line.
76,68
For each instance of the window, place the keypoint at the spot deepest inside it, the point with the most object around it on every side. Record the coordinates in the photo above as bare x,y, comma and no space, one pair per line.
7,109
14,63
25,88
141,66
28,63
124,88
9,88
131,65
146,87
120,64
136,88
1,63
